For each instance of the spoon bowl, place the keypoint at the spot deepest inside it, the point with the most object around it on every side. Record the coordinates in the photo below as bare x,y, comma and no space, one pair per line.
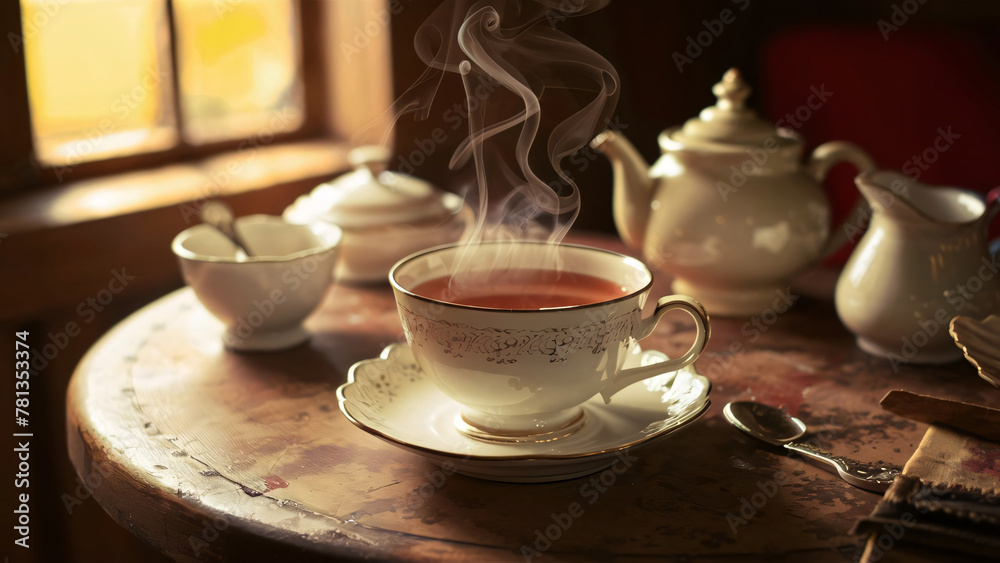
774,426
778,428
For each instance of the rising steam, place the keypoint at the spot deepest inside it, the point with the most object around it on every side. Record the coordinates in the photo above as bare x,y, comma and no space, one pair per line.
512,44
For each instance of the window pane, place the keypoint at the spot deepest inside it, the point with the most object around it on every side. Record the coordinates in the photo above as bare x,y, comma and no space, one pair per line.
239,67
98,78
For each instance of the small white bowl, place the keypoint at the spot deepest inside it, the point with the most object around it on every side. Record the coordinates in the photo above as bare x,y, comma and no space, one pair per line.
262,299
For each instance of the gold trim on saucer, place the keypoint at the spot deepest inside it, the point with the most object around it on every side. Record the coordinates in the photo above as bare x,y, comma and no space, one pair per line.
680,422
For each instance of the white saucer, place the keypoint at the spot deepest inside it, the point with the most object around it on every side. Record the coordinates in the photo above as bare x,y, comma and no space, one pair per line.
391,397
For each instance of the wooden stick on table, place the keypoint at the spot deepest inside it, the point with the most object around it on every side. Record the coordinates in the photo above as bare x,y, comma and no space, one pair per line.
975,419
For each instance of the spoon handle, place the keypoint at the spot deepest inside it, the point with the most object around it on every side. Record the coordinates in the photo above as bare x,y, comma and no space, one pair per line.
870,477
218,215
230,231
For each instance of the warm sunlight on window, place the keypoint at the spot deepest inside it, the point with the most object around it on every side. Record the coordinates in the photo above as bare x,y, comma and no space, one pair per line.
101,74
98,78
239,67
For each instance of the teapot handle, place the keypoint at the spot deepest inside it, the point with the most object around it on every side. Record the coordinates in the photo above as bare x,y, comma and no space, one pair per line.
820,163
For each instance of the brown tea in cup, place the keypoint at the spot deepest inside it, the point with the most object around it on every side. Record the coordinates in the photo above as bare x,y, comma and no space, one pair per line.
522,289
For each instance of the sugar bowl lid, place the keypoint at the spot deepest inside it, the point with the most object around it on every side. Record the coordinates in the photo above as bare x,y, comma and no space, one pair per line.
728,125
371,196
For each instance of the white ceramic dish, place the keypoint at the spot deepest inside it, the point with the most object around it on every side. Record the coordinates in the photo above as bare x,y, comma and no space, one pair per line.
391,398
385,215
368,253
980,342
924,256
262,299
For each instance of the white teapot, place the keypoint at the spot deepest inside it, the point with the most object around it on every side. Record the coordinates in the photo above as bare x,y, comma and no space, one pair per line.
729,208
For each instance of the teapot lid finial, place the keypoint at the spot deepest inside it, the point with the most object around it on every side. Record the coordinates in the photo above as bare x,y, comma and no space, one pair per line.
732,91
729,124
372,157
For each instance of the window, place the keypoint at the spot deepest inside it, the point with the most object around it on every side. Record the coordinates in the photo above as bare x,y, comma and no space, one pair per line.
107,78
96,83
113,86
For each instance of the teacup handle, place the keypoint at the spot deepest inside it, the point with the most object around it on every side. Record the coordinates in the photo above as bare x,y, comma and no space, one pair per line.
627,377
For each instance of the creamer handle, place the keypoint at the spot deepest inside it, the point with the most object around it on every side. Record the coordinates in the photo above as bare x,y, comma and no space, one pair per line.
820,162
992,208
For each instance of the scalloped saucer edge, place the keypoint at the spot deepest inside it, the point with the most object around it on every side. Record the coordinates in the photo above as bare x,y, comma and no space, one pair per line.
391,398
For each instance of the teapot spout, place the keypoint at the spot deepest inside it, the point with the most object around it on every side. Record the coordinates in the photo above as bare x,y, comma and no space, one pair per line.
633,188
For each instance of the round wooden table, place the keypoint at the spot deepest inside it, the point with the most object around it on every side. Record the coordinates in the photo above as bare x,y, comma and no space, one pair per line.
208,454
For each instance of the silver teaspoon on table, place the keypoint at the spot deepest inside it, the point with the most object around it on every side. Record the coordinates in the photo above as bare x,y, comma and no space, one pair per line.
778,428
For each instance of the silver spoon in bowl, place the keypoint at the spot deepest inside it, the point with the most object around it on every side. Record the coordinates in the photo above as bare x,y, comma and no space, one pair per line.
778,428
220,216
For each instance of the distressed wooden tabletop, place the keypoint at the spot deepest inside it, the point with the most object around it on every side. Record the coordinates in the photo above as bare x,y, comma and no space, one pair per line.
208,454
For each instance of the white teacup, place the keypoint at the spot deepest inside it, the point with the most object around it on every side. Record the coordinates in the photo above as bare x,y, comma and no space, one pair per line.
522,374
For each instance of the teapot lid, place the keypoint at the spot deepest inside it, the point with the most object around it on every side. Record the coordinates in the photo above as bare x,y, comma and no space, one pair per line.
372,196
729,122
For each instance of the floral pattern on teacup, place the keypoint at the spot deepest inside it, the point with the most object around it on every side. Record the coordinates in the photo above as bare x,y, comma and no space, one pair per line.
506,346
